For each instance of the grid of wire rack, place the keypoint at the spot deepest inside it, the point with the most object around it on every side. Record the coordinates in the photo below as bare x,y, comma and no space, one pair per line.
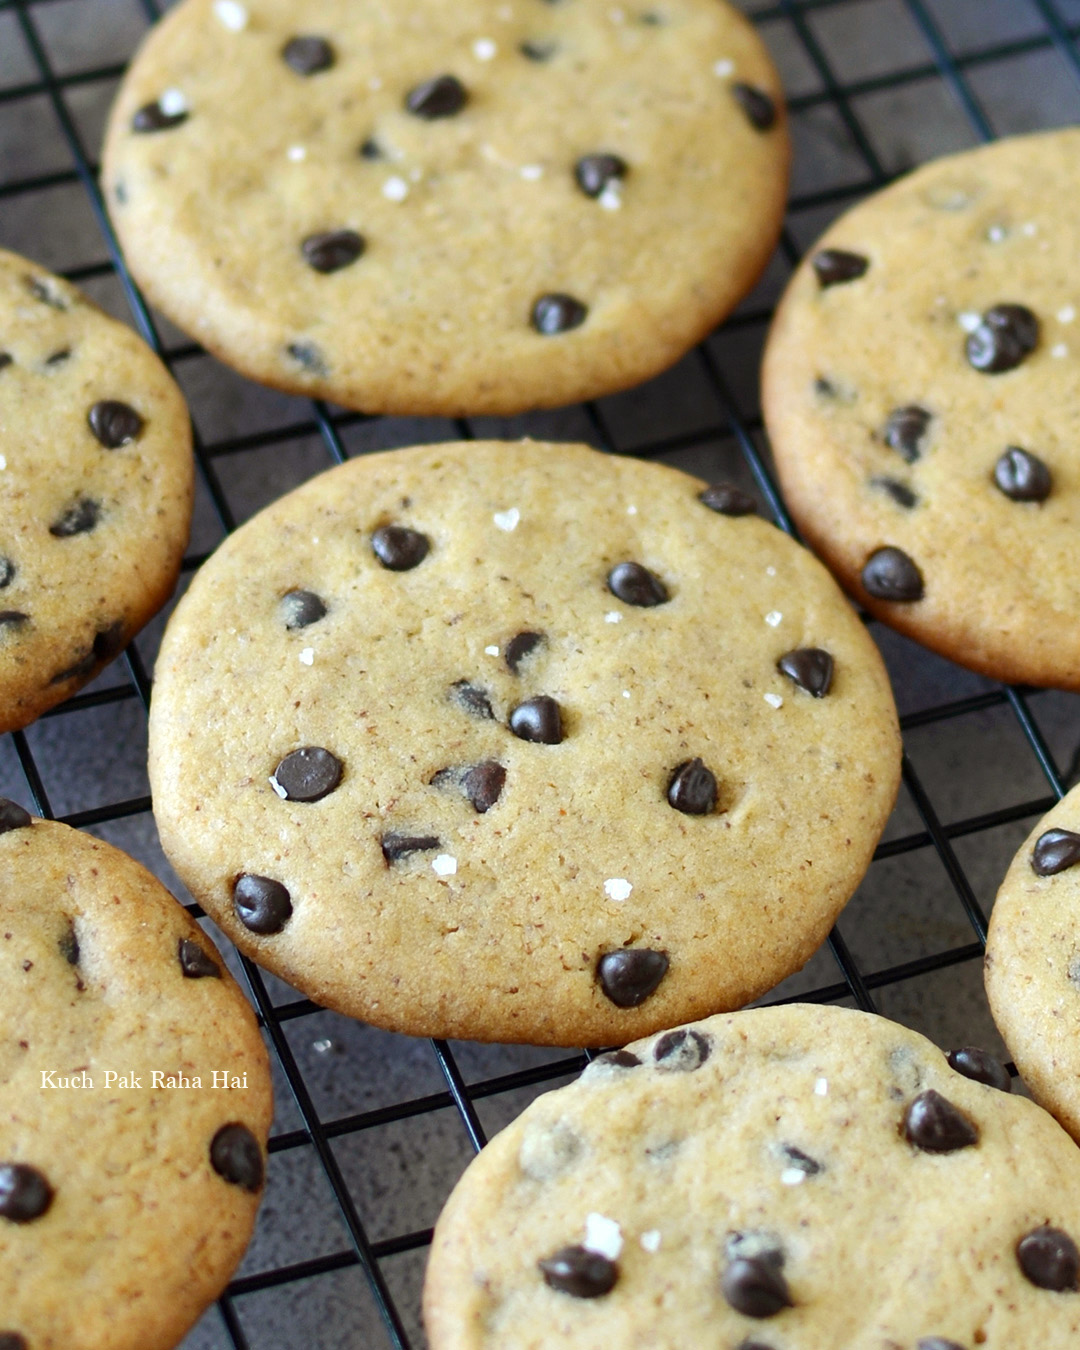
875,86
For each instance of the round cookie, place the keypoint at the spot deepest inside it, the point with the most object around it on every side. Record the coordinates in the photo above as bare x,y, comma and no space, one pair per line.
129,1178
788,1176
96,483
519,742
450,209
919,390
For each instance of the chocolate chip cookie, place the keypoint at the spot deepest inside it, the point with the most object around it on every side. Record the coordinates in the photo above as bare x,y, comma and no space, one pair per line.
96,480
454,209
134,1101
920,385
791,1176
520,742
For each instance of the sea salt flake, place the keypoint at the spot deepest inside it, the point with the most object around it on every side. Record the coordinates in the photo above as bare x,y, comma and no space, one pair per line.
395,189
774,700
3,462
1066,314
793,1176
617,888
1059,350
603,1236
484,49
626,693
444,865
651,1240
770,571
374,83
231,14
296,153
611,197
277,787
1030,228
173,102
492,651
531,172
722,69
821,1087
322,1047
613,616
969,320
307,656
773,617
996,233
507,521
631,510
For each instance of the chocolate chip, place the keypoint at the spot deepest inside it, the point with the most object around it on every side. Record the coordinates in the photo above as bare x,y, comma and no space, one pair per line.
938,1343
890,574
58,357
753,1345
12,816
194,962
107,643
308,774
759,107
619,1059
901,494
1049,1259
472,700
371,149
682,1051
934,1125
11,1340
261,904
1005,336
1054,851
630,975
68,944
539,49
755,1285
308,55
396,846
12,618
114,424
825,388
7,572
309,356
834,266
332,250
299,609
521,646
579,1272
811,668
153,117
399,548
797,1158
443,96
980,1066
636,585
6,359
235,1155
25,1194
594,172
692,788
483,785
728,500
557,313
79,518
906,429
538,719
1022,476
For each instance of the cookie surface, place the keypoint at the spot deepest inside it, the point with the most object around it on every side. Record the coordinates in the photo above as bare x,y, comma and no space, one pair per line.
790,1176
96,481
446,208
490,740
920,396
124,1205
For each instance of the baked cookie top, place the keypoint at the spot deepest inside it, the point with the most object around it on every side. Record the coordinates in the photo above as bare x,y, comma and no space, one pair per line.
445,208
920,393
129,1180
790,1176
519,742
96,481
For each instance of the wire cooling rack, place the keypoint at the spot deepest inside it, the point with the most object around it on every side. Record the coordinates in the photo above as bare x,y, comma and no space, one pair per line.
372,1129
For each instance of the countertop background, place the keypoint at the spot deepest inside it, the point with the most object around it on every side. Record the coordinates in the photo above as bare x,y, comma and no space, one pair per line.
372,1129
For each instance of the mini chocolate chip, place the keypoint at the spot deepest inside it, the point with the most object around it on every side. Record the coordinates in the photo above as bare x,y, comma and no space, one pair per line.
890,574
1005,336
901,494
261,904
120,193
728,500
194,962
811,668
299,609
619,1059
934,1125
759,107
579,1272
472,700
114,424
594,172
631,974
25,1194
399,548
557,313
682,1051
834,266
980,1066
538,719
6,359
519,647
692,788
803,1161
824,387
153,117
309,356
371,149
753,1345
442,96
79,518
1049,1259
396,846
539,49
235,1155
44,289
7,572
1054,851
938,1343
308,774
12,618
68,944
11,1340
12,816
483,785
636,585
906,429
106,644
332,250
308,55
59,357
755,1285
1022,476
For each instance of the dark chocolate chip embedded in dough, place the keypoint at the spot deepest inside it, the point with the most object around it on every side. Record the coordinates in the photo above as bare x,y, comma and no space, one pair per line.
398,548
7,572
593,173
835,266
803,1161
13,618
619,1059
1049,1259
636,585
755,1285
538,719
308,774
1054,851
811,668
153,117
443,96
759,107
980,1066
371,149
932,1123
579,1272
309,356
906,430
308,55
938,1343
44,289
6,359
519,647
753,1345
331,250
728,500
107,643
68,944
1022,476
25,1193
631,974
557,313
194,962
483,785
11,1340
682,1051
889,574
262,904
79,518
235,1155
59,357
539,49
114,424
692,788
472,700
901,494
1006,335
396,846
12,816
299,609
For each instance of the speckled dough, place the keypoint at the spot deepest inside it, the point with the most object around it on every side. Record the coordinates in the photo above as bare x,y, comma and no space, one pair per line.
775,1132
996,225
142,1231
495,923
92,537
467,218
